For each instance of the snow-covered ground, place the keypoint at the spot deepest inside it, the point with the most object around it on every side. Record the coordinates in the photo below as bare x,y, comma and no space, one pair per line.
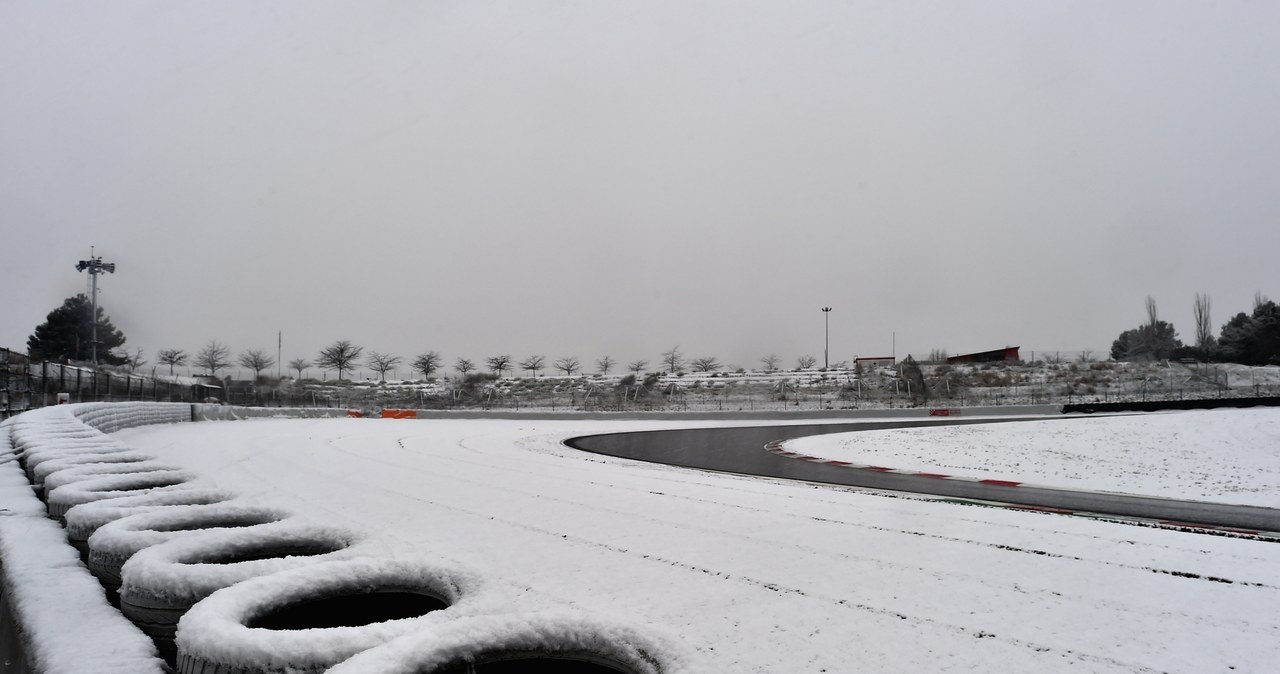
756,575
1230,455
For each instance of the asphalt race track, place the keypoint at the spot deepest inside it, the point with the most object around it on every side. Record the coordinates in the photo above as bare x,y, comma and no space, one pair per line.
742,450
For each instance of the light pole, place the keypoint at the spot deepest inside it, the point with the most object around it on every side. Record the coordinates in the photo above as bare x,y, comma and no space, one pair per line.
826,342
96,266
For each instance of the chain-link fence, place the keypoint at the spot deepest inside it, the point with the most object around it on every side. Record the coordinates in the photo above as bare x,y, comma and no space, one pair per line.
27,384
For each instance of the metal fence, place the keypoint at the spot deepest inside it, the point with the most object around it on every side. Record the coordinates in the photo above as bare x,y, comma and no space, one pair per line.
27,384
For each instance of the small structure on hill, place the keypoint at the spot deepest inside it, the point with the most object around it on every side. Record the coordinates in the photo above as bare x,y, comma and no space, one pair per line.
873,361
1007,354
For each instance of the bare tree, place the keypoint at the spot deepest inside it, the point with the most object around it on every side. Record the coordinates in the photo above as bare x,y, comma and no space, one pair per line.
497,364
637,365
673,359
213,357
340,356
1204,325
1259,300
133,359
770,362
427,363
533,364
382,363
1086,356
568,365
805,362
463,366
706,364
256,360
605,364
299,365
172,357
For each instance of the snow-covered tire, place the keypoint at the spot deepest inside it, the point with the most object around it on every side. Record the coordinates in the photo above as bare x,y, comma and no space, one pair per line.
84,519
42,470
64,498
291,620
44,450
550,641
115,542
39,441
89,471
162,582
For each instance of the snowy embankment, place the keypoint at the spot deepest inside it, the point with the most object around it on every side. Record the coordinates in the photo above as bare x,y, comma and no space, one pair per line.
734,574
1228,455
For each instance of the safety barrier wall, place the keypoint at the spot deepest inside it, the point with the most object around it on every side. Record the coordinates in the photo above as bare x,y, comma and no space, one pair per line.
1158,405
203,412
112,417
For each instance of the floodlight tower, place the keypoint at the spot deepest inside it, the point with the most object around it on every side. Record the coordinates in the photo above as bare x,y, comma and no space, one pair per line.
95,266
826,333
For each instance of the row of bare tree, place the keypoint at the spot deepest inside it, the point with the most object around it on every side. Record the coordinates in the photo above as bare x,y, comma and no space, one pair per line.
343,356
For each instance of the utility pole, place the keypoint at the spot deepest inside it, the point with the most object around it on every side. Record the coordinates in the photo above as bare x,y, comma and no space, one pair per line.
95,266
826,342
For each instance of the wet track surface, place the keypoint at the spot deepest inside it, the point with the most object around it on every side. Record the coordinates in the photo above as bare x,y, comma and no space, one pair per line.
742,450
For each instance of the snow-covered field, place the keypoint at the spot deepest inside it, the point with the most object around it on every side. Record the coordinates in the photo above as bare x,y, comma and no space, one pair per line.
1230,455
755,575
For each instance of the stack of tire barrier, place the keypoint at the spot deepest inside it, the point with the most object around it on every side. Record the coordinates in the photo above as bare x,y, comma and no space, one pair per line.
222,587
44,582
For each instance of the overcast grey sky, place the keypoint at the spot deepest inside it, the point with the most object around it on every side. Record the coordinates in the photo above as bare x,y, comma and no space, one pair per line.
590,177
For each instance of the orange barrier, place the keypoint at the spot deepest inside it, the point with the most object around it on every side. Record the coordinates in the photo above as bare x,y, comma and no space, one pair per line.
399,414
354,414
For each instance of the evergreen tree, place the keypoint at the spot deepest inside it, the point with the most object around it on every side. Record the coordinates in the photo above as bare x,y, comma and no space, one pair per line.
1146,342
67,333
1252,339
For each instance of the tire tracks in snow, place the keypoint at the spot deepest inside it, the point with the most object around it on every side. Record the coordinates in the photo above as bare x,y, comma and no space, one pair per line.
758,583
1015,588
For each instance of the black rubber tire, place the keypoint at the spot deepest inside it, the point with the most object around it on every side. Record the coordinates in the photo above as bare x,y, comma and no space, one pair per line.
106,569
82,547
505,663
188,664
161,624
